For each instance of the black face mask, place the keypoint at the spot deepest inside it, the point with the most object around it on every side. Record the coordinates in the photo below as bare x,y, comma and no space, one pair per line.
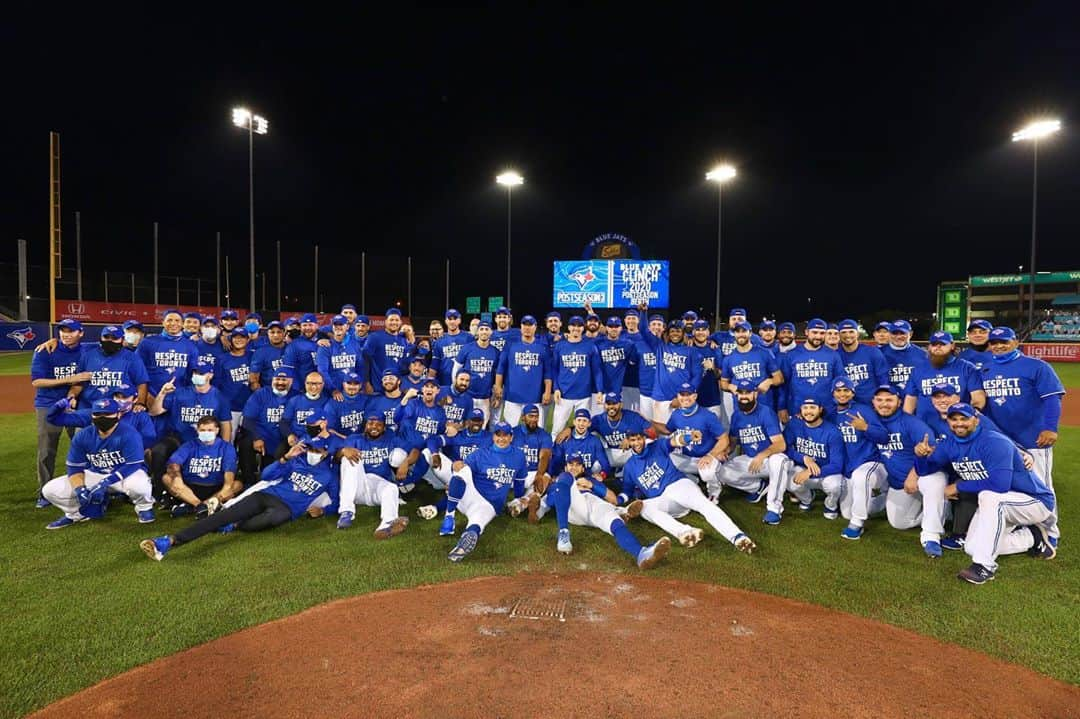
747,405
294,333
104,424
313,430
110,348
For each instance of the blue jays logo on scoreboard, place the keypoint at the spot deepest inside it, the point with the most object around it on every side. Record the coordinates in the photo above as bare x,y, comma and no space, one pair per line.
611,283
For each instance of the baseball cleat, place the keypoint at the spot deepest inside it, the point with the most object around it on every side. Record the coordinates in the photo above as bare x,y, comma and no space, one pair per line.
534,508
744,543
465,545
633,510
427,511
932,549
650,556
146,516
446,529
1042,549
692,537
393,529
806,506
64,522
42,503
1053,542
156,548
755,496
831,514
851,532
976,574
771,518
954,542
345,520
563,543
181,510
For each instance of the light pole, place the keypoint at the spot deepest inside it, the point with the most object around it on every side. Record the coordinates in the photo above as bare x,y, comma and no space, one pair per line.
1035,131
255,125
719,174
509,180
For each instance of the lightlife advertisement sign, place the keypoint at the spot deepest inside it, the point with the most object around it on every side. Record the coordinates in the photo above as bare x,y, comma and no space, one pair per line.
608,284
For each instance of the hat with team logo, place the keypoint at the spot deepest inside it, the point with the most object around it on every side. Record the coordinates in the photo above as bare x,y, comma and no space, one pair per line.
275,324
501,428
105,405
309,317
112,332
900,326
575,457
675,325
237,333
687,388
530,409
389,372
745,326
575,320
745,385
315,417
452,314
528,320
316,443
339,320
891,389
737,312
767,325
883,325
961,408
656,318
979,325
553,315
612,398
362,320
811,401
582,413
817,324
690,316
592,317
613,322
393,311
842,383
1002,334
203,368
941,338
284,371
291,321
504,310
701,324
848,325
193,316
483,323
476,413
785,326
229,315
832,326
429,380
124,390
946,388
136,325
351,377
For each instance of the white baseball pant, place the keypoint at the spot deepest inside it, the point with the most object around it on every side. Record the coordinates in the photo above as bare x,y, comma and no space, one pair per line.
564,410
237,422
136,486
438,478
679,499
617,457
646,407
859,501
661,410
511,412
472,504
689,466
631,399
991,532
736,472
1043,466
784,480
369,490
926,508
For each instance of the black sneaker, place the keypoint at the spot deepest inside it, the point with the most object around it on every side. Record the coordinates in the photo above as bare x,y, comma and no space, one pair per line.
1042,548
976,574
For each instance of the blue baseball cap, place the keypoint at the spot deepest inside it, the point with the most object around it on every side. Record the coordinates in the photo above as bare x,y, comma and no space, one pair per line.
339,320
842,383
104,405
209,320
592,317
979,325
701,325
171,311
945,388
767,325
848,325
203,367
816,324
476,413
389,372
530,409
112,332
900,326
124,390
504,310
362,320
832,326
883,325
630,313
582,413
351,377
656,318
575,320
429,380
612,398
70,324
941,338
501,428
229,315
237,332
690,315
309,317
348,307
745,385
736,312
317,442
613,322
133,325
891,389
292,321
675,325
810,400
556,315
575,457
452,314
528,320
961,408
1002,334
284,371
483,323
785,326
687,388
315,417
393,311
253,316
275,324
193,315
744,325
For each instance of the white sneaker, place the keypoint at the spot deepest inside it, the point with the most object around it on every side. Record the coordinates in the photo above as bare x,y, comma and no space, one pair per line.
427,511
689,539
564,544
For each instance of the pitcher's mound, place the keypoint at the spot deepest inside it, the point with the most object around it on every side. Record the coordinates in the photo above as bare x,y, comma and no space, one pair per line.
582,645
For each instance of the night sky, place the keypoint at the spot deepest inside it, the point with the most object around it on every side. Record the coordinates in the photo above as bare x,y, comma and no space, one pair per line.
873,150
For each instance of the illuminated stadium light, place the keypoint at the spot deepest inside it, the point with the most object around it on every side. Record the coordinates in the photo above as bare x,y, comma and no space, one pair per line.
1037,130
721,173
510,179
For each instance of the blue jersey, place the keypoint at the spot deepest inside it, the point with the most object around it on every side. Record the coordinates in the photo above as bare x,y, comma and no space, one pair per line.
299,408
725,341
708,391
957,372
257,341
755,429
648,474
231,377
858,447
616,357
61,363
444,352
701,419
141,422
481,363
646,367
810,373
166,357
593,456
121,451
630,379
418,417
205,465
675,366
987,461
346,416
866,369
298,484
383,351
532,443
300,355
940,425
524,366
455,404
185,407
375,453
339,358
896,437
1016,390
500,338
267,360
757,364
576,369
209,352
613,434
901,362
495,470
380,404
461,445
823,444
109,372
979,358
263,413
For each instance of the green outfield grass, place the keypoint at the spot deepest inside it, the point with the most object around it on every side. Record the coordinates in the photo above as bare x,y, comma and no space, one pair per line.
15,363
84,603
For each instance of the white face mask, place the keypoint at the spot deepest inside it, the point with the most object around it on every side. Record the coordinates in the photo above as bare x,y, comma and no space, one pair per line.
199,380
279,392
313,395
131,337
209,334
207,436
314,458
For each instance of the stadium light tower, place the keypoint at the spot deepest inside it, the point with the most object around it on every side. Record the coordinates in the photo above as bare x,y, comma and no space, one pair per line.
255,125
1035,131
719,174
509,180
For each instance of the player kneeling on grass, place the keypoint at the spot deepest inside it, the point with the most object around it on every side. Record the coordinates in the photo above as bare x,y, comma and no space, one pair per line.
756,429
668,495
201,474
480,486
1016,509
367,477
584,501
297,482
107,457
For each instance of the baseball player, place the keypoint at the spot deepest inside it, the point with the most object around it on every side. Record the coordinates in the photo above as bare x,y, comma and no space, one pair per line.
208,341
698,457
303,350
61,414
832,336
367,477
385,349
576,374
708,357
978,351
882,332
785,337
553,325
613,425
133,334
864,365
1016,509
481,360
814,460
303,481
900,355
809,370
421,413
107,457
340,358
445,349
523,375
302,407
455,398
347,416
617,355
261,439
586,502
942,367
443,453
864,472
536,443
480,486
387,402
503,332
592,325
169,355
232,376
201,474
631,394
767,335
913,499
582,441
667,495
110,366
747,361
647,364
755,428
190,325
266,360
675,366
416,370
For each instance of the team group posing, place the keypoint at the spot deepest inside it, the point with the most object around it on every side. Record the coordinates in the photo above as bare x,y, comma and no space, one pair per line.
207,419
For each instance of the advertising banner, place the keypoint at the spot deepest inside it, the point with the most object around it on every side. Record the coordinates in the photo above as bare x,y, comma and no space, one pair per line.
22,335
119,312
608,284
1052,352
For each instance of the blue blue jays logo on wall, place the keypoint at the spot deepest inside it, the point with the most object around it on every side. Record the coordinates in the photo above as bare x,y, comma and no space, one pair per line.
22,335
579,282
